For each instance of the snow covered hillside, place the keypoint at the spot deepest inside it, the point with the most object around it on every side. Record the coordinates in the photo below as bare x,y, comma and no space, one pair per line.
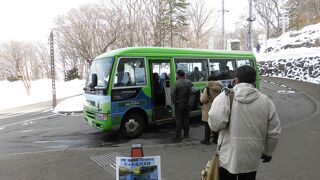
308,36
13,94
294,55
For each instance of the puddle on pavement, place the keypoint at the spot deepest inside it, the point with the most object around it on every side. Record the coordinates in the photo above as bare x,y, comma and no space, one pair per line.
83,143
286,92
57,147
62,144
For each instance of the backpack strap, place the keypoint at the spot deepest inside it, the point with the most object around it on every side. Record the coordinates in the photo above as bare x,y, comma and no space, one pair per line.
208,91
228,92
231,96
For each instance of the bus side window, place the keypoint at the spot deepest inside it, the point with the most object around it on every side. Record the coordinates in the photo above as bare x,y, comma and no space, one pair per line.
222,68
130,72
195,69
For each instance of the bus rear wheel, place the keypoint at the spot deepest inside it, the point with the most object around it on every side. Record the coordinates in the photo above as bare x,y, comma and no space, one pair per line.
132,126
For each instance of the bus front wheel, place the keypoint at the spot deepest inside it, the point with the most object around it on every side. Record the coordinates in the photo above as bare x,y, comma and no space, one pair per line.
132,126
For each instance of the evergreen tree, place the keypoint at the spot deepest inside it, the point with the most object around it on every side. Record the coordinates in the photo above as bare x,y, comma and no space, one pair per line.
177,13
294,14
162,24
170,21
72,74
303,13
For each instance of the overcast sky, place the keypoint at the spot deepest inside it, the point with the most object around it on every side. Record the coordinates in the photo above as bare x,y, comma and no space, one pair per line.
31,20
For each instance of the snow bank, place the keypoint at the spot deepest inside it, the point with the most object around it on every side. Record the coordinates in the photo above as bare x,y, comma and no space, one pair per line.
13,94
308,37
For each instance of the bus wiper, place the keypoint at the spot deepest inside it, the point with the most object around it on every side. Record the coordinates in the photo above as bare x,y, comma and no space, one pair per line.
94,88
100,88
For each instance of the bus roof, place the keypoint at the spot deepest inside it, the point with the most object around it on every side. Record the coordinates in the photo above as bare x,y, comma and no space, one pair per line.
176,52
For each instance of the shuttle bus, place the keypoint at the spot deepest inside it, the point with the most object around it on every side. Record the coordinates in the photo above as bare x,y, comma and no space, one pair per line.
128,89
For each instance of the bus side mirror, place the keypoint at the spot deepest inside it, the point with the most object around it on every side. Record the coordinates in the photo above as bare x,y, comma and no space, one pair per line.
94,81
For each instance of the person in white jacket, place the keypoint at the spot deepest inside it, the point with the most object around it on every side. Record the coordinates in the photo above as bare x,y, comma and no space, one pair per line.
252,132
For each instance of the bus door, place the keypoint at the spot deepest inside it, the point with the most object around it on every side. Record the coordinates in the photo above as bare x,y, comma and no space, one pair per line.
160,89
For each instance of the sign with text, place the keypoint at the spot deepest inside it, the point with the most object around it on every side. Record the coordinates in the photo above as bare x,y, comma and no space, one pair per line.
130,168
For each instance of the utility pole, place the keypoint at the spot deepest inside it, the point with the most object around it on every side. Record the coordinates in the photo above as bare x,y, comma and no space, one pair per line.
250,19
222,32
53,76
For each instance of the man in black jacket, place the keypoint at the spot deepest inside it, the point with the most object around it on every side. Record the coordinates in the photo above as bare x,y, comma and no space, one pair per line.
179,95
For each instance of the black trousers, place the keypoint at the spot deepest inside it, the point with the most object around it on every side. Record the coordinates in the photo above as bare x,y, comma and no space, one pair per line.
182,120
225,175
207,133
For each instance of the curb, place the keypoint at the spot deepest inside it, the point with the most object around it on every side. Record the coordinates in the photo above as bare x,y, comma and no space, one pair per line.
68,112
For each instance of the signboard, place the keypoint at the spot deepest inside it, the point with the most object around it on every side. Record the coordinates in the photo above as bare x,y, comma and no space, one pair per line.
131,103
182,66
130,168
140,76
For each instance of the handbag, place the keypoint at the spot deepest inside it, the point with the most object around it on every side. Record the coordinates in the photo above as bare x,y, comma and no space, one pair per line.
211,171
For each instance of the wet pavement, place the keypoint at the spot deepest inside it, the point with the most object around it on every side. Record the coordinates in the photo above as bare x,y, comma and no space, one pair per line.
43,145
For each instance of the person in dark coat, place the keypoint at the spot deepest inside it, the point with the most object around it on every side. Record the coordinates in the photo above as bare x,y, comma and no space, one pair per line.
258,47
179,95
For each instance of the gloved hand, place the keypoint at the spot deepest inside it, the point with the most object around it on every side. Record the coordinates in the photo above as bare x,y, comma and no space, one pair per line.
265,158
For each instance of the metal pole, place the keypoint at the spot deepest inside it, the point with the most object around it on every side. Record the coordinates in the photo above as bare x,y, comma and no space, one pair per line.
171,21
53,76
250,19
223,33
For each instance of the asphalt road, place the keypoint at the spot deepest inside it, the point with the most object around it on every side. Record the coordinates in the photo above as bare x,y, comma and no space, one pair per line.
64,146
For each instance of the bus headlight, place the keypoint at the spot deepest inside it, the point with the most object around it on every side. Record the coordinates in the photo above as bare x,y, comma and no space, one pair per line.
101,117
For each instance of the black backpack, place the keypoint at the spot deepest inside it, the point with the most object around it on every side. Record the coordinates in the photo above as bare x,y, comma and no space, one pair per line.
192,98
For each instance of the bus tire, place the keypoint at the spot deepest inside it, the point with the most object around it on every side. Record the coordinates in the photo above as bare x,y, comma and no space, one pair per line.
132,126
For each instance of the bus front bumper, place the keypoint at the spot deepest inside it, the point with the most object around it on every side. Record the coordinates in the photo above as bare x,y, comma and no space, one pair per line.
100,121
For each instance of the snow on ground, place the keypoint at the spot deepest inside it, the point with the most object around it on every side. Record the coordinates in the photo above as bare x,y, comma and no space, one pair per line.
73,104
13,94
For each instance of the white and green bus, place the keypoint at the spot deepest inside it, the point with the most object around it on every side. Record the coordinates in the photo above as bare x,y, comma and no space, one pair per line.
128,89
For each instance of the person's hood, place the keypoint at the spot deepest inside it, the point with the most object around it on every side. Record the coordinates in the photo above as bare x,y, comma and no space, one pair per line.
245,93
215,86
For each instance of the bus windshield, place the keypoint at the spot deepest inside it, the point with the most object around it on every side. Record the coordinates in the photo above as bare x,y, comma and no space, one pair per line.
101,67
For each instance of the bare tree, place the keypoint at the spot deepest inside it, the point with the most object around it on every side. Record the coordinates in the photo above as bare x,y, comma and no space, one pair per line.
22,56
44,61
201,24
269,16
86,32
7,68
130,21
